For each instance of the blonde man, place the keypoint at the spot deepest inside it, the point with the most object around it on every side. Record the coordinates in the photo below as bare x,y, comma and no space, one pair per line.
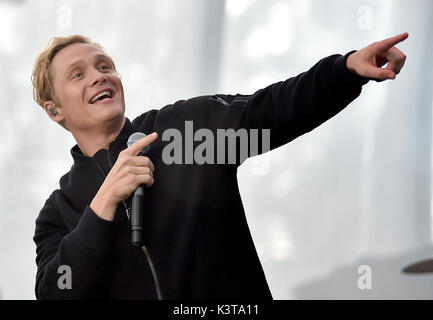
197,238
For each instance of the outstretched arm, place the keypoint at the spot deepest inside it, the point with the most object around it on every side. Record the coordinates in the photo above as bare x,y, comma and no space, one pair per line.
299,104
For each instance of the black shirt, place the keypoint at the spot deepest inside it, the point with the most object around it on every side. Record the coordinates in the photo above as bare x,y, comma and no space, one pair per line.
195,228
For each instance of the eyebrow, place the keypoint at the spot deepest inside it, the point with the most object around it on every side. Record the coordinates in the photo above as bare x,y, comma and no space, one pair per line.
98,56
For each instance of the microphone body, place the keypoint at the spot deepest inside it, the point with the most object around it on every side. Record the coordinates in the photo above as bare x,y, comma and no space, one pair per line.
137,201
137,216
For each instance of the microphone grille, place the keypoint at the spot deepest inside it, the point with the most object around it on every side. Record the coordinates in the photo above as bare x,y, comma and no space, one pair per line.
135,137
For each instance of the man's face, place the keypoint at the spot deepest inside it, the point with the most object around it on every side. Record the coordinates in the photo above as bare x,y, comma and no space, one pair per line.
79,73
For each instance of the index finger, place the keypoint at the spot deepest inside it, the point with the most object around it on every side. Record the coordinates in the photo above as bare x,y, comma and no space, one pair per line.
390,42
139,145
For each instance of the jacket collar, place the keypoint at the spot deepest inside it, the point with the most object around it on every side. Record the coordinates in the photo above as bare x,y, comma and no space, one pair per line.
115,146
83,181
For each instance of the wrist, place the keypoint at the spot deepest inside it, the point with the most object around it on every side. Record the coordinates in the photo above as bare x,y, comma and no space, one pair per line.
349,58
349,64
103,205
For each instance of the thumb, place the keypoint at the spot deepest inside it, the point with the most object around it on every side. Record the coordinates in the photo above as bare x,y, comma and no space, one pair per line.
379,73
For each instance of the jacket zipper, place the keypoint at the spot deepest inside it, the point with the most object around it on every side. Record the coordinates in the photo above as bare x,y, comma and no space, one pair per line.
225,103
222,101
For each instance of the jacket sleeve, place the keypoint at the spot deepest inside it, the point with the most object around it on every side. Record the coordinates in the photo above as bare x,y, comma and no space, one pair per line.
85,250
287,108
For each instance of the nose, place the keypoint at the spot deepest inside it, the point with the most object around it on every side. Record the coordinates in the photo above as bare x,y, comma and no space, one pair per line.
98,77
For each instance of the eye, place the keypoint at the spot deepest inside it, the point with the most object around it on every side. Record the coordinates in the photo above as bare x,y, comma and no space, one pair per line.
105,67
77,75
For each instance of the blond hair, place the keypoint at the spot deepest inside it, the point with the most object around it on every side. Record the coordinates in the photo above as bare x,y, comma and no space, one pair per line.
41,80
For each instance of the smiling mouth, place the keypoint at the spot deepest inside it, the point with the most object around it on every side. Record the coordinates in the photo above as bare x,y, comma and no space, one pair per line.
103,96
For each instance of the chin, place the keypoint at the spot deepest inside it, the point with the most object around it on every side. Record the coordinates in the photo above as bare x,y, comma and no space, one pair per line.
110,114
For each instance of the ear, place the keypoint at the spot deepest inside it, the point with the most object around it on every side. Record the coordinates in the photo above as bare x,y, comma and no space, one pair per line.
50,105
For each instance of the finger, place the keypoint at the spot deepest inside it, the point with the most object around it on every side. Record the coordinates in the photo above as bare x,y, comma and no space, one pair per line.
145,179
390,42
396,59
139,145
141,161
141,171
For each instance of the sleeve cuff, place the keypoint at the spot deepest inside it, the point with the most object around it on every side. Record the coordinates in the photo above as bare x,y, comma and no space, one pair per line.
94,232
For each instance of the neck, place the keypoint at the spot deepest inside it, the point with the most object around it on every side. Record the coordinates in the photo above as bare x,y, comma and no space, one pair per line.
90,142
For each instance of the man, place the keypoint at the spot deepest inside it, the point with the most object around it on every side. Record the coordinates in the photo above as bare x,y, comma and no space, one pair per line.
197,243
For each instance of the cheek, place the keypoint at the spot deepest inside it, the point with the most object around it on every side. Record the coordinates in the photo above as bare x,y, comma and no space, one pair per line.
70,97
120,86
74,93
115,78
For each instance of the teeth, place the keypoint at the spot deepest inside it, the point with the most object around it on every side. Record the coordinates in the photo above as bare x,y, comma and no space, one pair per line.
100,95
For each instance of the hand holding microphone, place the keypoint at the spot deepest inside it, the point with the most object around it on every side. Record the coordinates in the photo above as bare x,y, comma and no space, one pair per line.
129,172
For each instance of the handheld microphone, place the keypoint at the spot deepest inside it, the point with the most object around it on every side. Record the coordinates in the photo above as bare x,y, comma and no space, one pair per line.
137,198
137,216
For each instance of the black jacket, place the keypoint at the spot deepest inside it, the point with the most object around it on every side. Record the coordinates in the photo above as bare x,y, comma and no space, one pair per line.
195,228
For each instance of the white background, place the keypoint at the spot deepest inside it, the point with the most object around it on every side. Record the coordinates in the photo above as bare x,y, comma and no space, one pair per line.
355,191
